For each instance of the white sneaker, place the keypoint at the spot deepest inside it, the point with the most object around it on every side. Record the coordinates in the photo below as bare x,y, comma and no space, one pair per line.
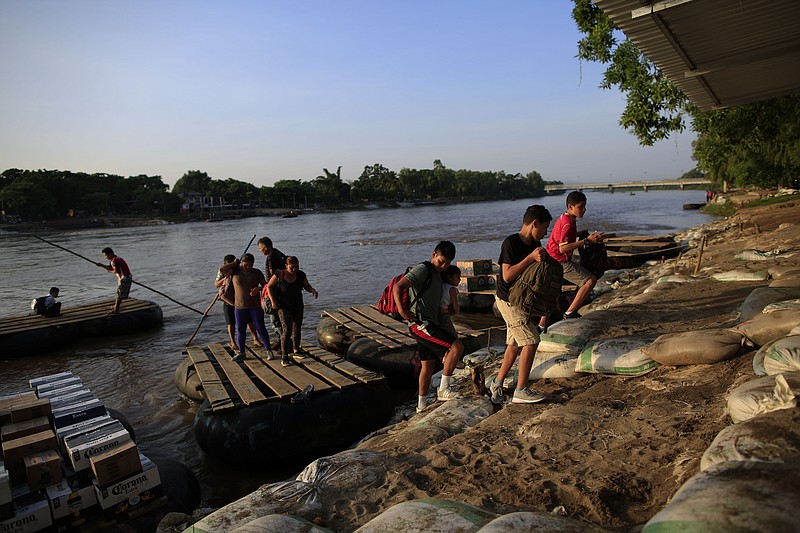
497,391
526,395
271,355
239,356
447,394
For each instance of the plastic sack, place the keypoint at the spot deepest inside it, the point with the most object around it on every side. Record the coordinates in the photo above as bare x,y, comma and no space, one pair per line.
778,356
696,347
740,275
761,297
424,516
763,395
770,326
622,356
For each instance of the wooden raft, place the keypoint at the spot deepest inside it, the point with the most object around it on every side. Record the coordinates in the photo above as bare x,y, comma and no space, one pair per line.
229,385
389,333
72,315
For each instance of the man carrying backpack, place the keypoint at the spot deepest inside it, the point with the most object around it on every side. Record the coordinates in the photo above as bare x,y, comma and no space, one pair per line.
522,331
275,261
47,305
424,284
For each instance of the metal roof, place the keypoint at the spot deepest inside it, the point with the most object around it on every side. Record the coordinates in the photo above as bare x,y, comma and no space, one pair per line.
719,52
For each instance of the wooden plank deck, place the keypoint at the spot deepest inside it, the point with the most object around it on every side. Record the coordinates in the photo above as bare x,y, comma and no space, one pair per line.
71,315
365,320
229,385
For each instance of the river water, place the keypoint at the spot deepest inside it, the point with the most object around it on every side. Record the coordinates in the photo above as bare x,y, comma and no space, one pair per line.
348,256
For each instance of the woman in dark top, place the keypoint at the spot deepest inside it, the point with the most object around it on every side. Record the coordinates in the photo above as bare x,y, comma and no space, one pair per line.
286,295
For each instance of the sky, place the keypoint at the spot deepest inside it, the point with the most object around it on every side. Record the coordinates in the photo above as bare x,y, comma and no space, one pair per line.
266,90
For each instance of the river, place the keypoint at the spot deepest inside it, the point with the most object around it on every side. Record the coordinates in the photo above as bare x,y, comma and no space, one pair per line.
348,256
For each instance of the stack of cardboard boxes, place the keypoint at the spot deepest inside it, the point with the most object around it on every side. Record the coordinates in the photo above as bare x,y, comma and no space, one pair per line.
477,275
65,460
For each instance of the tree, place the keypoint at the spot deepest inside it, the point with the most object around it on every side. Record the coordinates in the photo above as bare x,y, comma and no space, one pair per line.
330,189
193,181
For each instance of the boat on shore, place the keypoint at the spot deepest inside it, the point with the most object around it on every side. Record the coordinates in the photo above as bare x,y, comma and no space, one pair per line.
634,251
258,413
31,334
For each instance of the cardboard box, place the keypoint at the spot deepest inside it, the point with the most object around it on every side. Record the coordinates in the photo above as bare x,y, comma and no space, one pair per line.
63,390
478,283
6,508
475,267
60,384
30,514
141,488
80,427
42,469
14,452
66,499
23,429
116,463
95,432
20,412
77,412
35,382
79,454
63,400
7,401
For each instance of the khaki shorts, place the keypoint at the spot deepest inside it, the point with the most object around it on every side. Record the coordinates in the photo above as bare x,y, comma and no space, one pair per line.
124,288
520,330
575,273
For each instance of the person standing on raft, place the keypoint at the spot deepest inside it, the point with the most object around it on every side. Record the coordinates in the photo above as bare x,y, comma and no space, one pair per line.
118,266
247,283
285,290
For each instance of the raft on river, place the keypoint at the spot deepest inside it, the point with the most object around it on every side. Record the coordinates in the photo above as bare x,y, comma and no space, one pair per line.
31,334
383,344
633,251
258,413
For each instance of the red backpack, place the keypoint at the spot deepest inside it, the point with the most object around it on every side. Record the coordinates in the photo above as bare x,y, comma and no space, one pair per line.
386,303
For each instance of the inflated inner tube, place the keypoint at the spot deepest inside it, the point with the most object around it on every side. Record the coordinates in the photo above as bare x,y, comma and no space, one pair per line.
333,336
188,381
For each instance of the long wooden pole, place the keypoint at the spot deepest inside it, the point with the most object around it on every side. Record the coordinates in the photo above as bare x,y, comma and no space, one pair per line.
216,297
700,255
136,282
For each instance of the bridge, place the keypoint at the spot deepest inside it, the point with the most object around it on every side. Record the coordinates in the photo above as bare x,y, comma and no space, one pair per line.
644,185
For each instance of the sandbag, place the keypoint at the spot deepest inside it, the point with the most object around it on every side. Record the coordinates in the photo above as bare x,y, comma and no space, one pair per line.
740,275
570,336
788,282
770,326
733,497
280,523
763,395
674,278
525,522
754,255
427,515
770,437
622,356
778,356
552,365
695,347
761,297
778,272
780,306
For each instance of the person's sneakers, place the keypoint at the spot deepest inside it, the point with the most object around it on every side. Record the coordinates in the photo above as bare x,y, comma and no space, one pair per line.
526,395
238,356
422,409
573,314
271,355
285,361
497,391
447,394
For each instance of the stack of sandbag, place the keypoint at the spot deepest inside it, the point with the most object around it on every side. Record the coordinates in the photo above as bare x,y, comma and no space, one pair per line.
761,297
766,327
763,395
621,356
701,347
778,356
733,496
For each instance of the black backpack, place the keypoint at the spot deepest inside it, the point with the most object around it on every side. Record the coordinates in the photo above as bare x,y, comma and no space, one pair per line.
537,290
37,305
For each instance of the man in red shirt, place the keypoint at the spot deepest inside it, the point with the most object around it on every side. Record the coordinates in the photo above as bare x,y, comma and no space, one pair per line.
118,266
563,241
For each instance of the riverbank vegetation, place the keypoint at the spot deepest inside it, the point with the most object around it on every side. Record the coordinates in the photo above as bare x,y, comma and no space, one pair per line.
36,195
756,144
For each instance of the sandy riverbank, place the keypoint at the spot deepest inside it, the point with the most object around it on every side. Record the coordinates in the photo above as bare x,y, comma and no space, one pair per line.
608,450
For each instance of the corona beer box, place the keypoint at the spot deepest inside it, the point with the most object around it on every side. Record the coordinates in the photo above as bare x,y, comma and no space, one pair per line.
77,412
42,469
478,283
7,401
80,427
6,508
475,267
23,429
31,513
59,384
124,497
20,412
63,400
35,382
116,463
66,500
64,390
79,454
14,452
